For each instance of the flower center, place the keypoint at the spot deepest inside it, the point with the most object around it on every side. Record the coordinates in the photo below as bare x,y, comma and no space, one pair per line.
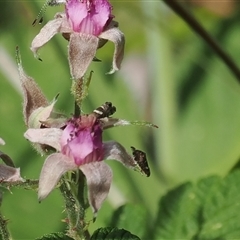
82,139
88,16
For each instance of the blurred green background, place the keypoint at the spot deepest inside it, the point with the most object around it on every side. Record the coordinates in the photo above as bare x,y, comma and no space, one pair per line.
169,77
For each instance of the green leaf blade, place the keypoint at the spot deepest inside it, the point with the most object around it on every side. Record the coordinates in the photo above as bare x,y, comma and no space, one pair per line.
178,213
209,209
134,218
113,234
55,236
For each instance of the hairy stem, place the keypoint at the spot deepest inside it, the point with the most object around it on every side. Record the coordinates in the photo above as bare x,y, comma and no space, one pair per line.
197,28
3,229
28,184
75,214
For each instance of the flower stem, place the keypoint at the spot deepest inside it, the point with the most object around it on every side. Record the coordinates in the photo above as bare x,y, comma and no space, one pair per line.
28,184
77,109
79,90
197,28
75,214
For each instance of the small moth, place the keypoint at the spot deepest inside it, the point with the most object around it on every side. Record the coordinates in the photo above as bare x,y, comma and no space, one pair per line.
106,110
141,161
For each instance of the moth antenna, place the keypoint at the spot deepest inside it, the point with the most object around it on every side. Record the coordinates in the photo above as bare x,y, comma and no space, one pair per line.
56,2
42,11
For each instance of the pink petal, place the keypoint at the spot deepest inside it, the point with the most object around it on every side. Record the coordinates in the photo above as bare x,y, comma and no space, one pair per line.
88,17
82,143
79,147
101,15
76,11
53,168
47,136
99,179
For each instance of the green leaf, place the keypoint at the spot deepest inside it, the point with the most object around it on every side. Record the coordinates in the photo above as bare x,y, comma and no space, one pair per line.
113,234
209,209
220,217
55,236
132,218
178,212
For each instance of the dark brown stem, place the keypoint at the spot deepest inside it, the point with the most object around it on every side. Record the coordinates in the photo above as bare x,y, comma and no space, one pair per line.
197,28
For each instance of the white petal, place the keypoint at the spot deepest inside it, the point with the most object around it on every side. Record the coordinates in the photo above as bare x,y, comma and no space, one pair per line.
48,136
40,114
9,174
53,168
115,151
2,141
33,95
82,49
113,34
46,33
99,179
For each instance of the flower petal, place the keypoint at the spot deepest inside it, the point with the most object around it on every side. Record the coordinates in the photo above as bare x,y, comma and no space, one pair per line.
88,17
47,32
9,174
99,179
53,168
33,95
115,151
6,159
82,49
2,141
112,33
40,115
138,162
76,11
46,136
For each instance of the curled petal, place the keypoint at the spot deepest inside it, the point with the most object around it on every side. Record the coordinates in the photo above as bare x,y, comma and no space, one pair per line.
47,32
113,34
82,49
138,162
33,96
46,136
9,174
2,141
7,160
115,151
53,168
99,179
40,115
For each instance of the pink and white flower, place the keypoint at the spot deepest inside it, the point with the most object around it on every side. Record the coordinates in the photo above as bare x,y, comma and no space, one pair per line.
87,25
79,146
